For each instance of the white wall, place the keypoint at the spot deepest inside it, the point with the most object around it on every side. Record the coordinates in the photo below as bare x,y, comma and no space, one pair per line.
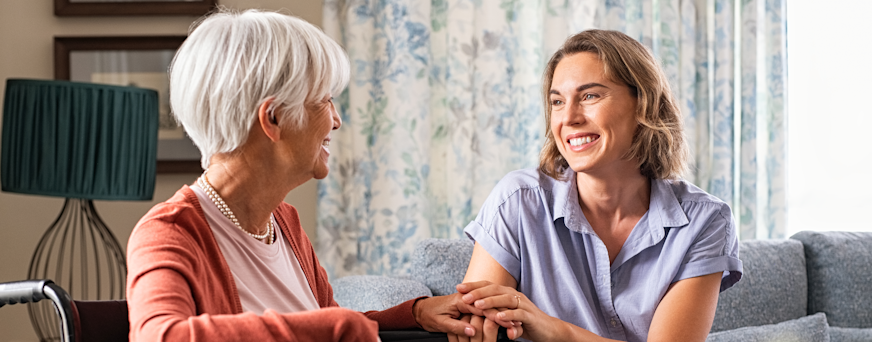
27,28
829,116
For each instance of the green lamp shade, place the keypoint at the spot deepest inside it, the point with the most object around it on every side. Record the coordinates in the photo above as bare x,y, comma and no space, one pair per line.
79,140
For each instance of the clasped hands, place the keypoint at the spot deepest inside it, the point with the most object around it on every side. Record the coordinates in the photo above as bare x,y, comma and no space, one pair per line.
478,309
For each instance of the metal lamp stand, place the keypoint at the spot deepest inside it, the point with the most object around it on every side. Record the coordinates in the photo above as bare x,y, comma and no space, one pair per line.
80,253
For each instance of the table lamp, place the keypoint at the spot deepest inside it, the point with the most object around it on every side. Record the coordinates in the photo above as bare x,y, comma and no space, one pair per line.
80,141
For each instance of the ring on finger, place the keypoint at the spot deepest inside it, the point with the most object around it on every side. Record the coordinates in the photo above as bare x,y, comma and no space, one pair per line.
519,301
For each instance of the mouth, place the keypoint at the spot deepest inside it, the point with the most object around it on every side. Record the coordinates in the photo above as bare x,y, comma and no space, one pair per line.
579,141
325,147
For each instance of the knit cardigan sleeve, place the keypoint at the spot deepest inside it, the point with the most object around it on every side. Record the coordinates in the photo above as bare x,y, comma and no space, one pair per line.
179,288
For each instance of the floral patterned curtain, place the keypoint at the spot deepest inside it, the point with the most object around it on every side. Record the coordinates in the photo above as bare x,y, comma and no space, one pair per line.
444,100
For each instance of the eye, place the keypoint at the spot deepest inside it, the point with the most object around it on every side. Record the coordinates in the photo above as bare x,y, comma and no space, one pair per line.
588,97
556,102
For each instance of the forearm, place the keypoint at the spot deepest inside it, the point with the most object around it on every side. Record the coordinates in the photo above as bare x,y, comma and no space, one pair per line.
571,332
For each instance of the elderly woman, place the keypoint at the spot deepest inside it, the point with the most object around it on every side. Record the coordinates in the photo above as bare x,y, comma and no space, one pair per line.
225,259
603,241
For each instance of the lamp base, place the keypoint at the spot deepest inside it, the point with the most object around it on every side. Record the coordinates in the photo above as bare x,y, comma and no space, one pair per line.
80,254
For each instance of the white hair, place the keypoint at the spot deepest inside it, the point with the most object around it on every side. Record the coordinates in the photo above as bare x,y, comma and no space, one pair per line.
232,62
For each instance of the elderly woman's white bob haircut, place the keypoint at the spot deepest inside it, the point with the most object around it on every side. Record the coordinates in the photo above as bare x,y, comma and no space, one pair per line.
234,61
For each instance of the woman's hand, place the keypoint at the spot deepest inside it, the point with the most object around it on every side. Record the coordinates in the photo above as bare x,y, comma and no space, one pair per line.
507,307
442,314
486,330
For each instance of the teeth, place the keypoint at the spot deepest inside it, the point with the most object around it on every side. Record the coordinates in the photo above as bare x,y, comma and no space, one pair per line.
580,141
325,143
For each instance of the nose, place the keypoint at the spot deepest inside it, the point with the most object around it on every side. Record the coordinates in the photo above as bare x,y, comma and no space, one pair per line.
337,120
574,114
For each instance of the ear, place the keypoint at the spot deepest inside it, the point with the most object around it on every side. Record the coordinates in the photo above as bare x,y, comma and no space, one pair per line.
269,123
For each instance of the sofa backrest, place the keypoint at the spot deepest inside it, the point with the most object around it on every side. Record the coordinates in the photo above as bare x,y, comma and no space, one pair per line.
773,287
839,276
440,264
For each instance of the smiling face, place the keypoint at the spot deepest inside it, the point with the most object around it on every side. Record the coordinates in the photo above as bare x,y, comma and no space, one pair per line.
592,117
311,142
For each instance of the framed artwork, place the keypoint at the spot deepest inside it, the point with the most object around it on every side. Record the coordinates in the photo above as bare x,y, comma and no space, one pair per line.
65,8
140,61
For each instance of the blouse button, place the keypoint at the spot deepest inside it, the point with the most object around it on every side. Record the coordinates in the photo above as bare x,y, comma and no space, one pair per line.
614,323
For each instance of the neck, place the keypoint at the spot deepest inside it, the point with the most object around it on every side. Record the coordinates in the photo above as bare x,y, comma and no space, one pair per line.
250,192
613,197
255,178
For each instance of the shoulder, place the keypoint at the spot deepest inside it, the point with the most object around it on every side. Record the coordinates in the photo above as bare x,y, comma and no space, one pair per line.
691,197
523,179
179,216
708,220
525,192
175,235
183,206
686,192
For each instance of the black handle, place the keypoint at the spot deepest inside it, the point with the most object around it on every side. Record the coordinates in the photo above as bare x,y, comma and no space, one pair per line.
25,291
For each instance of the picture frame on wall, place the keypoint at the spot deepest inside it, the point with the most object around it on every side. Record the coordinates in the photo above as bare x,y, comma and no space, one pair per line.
140,61
65,8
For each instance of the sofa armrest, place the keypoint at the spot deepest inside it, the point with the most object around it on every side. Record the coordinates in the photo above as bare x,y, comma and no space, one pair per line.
773,288
839,273
367,292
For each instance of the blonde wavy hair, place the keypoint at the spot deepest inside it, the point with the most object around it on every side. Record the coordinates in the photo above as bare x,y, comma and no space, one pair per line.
659,144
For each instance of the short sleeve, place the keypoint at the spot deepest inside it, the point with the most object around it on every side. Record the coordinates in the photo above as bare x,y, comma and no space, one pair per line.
715,248
496,228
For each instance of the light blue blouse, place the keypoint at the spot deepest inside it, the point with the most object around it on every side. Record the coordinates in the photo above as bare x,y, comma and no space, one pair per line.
533,226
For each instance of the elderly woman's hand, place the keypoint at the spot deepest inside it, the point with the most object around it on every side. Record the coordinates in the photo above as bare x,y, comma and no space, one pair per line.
512,309
443,314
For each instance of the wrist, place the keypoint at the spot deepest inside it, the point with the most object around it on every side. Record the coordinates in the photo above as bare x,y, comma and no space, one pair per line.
416,311
559,331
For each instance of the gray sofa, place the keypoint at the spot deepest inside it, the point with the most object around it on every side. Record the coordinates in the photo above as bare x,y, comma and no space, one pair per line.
811,287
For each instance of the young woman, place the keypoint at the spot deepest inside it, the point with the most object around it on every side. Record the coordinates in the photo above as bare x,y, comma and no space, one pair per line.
603,241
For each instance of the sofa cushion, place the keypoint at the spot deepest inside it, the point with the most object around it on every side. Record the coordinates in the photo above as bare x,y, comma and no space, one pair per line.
368,292
838,334
839,282
441,264
773,287
806,329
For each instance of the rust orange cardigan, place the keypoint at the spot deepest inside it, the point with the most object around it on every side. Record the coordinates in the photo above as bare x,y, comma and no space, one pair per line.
179,287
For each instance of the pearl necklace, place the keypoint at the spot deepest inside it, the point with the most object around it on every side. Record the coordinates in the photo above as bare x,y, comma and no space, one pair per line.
203,182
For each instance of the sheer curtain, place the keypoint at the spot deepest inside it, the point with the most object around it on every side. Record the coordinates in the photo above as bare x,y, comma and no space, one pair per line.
445,100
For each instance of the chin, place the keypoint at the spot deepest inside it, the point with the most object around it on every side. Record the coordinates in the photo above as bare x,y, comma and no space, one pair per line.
579,166
580,170
320,174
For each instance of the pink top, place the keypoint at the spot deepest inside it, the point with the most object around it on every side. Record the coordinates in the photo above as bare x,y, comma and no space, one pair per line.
266,276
